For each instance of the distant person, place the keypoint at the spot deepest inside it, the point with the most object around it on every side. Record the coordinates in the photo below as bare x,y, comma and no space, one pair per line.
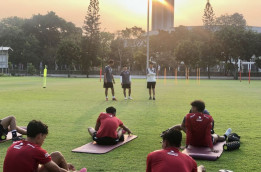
28,156
151,80
109,80
198,127
170,159
106,131
125,78
9,124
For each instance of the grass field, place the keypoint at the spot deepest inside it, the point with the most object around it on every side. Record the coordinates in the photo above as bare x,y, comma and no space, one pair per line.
69,106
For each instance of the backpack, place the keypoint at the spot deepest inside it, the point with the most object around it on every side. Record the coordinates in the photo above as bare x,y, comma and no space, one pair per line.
233,137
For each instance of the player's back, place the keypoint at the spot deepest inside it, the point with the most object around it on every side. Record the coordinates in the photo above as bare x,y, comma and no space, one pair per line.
24,156
170,160
197,127
109,124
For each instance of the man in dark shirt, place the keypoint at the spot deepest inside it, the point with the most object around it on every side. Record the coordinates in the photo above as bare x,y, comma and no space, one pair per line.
109,80
126,81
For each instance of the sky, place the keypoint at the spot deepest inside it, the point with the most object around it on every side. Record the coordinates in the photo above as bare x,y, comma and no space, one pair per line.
119,14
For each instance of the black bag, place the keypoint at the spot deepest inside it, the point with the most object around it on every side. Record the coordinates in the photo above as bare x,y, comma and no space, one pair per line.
233,137
231,146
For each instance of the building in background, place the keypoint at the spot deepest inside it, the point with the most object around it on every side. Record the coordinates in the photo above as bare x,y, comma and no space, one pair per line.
4,59
163,15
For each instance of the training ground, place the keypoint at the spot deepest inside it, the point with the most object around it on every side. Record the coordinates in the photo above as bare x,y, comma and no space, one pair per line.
69,106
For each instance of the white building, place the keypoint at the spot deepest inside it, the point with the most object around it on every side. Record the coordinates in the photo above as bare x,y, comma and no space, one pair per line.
4,58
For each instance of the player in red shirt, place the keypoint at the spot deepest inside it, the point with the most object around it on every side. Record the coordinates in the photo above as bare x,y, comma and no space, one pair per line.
169,159
198,127
28,156
105,132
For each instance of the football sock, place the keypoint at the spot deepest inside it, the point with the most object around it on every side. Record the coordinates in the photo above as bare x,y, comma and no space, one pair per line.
14,134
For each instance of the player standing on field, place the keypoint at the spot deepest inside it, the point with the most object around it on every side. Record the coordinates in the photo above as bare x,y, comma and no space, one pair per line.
126,81
108,79
151,80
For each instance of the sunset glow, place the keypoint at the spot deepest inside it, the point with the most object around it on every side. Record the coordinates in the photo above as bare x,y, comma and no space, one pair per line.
119,14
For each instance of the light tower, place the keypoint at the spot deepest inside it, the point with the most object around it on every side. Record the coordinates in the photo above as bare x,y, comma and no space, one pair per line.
162,15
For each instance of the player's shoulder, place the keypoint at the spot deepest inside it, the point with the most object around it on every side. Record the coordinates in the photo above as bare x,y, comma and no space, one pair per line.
156,153
103,114
191,115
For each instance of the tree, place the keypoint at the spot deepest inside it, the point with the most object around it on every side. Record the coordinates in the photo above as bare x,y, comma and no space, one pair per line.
188,52
106,39
127,43
230,33
209,17
91,41
68,54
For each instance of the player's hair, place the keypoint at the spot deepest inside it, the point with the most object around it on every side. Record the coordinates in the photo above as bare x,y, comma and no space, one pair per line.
111,61
111,110
151,62
36,127
199,104
173,136
124,65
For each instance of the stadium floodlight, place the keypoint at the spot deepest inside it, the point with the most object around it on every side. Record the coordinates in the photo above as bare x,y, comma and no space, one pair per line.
148,30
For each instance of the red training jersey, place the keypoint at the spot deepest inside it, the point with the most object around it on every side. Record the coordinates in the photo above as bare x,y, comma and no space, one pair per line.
24,156
170,160
109,125
198,129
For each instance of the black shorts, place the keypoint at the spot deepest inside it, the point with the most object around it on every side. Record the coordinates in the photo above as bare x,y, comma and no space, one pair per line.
106,140
126,86
107,85
3,131
151,84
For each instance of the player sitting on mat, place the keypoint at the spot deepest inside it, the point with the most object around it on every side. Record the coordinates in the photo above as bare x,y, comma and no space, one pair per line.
9,124
198,127
27,155
105,132
182,127
169,159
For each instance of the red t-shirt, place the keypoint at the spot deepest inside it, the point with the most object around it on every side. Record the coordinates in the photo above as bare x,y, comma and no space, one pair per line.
170,160
198,129
24,156
109,125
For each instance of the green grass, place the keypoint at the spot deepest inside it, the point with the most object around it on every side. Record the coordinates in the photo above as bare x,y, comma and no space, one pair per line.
69,106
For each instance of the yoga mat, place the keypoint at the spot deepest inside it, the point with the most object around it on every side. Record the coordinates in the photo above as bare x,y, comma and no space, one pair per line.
94,148
204,153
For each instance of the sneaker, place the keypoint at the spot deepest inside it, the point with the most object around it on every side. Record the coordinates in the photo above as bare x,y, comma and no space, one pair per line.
154,98
125,98
223,170
83,170
130,97
150,98
114,99
229,130
106,98
15,139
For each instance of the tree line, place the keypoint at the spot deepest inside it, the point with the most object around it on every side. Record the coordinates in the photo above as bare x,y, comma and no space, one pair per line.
51,40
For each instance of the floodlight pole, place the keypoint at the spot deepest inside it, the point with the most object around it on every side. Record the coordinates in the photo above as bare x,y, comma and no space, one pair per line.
148,36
